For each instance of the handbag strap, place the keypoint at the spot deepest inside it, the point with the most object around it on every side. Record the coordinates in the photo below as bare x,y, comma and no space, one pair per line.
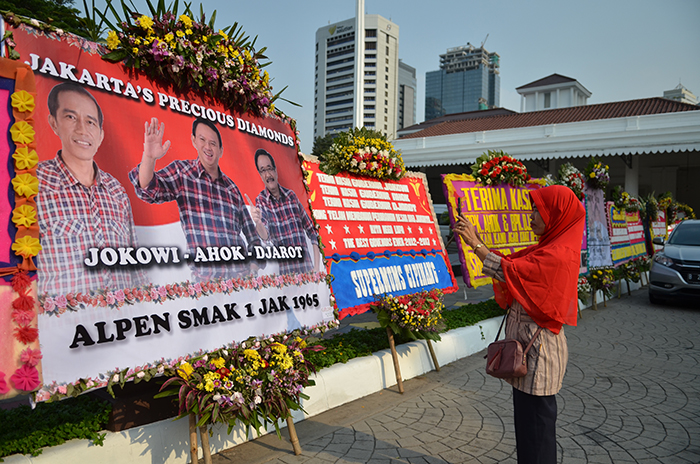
532,340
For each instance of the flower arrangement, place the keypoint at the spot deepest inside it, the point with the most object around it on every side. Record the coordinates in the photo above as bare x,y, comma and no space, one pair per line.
571,177
620,198
416,316
363,152
666,203
189,54
650,207
496,167
602,278
629,271
687,211
584,289
643,263
256,382
596,174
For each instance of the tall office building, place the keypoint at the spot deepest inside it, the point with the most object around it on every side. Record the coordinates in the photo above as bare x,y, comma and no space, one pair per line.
406,112
335,99
468,80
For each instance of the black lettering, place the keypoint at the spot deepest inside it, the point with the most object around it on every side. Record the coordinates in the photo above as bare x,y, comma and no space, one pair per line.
81,336
141,326
184,318
263,310
282,300
217,316
230,313
159,322
200,318
123,326
101,333
273,306
249,310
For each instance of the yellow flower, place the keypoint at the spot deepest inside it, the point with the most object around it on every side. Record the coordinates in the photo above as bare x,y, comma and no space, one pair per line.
24,215
26,246
169,37
22,132
137,41
25,159
218,362
135,51
223,34
591,175
251,355
188,31
26,185
112,40
179,33
186,21
23,101
185,370
279,348
204,38
145,22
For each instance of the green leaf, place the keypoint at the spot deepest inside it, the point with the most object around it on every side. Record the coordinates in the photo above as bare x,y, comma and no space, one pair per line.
116,55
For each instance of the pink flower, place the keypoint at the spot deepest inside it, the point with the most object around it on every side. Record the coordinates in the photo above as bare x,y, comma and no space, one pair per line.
26,378
31,357
119,295
162,292
198,288
63,389
191,290
61,301
23,317
4,388
49,305
110,298
154,294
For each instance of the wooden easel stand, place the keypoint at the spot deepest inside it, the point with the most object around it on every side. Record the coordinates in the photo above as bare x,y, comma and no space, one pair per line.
293,436
395,357
432,355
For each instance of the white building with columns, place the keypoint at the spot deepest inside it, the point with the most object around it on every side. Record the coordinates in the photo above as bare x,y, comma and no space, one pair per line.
555,91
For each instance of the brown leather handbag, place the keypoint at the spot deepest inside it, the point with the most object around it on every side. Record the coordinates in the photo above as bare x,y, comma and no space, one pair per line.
506,358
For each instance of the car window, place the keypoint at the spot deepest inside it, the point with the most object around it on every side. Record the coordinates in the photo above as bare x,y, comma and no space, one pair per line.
686,234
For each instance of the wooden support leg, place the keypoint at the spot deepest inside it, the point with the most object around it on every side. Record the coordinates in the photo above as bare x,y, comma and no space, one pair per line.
605,300
293,436
204,437
628,287
432,355
193,439
595,305
395,356
619,289
578,305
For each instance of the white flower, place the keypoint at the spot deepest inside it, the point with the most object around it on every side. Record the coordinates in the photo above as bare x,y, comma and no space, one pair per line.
34,22
205,358
224,353
216,397
362,165
353,162
161,368
115,378
257,399
141,375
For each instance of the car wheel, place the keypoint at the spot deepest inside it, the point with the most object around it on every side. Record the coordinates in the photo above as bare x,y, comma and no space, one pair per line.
654,299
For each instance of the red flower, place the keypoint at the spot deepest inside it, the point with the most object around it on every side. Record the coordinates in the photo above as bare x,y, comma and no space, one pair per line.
20,282
26,378
4,388
23,302
31,357
26,334
23,318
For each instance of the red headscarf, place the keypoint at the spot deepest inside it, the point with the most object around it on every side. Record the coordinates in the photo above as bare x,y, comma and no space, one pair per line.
543,278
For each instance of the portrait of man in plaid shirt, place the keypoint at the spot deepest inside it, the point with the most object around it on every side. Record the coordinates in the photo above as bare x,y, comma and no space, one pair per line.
79,206
212,210
286,222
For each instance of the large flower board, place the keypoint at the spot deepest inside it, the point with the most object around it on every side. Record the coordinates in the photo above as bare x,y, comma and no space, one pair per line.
155,300
380,237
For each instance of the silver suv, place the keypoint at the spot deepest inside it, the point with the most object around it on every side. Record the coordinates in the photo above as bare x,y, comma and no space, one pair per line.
675,270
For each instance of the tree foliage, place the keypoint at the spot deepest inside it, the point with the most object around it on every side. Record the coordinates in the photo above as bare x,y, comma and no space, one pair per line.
58,13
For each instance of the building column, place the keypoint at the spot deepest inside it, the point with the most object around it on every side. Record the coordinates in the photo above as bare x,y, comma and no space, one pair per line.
632,177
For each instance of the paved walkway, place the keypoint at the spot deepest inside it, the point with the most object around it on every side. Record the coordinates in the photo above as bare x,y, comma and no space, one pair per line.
631,394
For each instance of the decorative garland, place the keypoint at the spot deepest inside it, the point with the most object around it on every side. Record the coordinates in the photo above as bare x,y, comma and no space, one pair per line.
26,244
416,316
55,306
496,167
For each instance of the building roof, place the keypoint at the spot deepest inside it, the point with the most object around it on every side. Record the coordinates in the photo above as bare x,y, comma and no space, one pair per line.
549,80
455,117
622,109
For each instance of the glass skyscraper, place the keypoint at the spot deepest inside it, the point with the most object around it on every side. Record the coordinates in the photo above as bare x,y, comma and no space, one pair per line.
468,80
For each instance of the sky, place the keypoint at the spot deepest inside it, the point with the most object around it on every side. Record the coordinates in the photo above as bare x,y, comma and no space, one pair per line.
617,49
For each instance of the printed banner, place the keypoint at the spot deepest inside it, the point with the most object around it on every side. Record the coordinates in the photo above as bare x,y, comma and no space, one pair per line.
626,234
597,237
501,216
168,224
658,229
379,237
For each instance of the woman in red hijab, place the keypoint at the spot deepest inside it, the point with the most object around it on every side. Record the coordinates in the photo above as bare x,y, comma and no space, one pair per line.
539,284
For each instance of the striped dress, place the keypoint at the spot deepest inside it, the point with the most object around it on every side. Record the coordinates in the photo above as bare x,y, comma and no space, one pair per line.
546,360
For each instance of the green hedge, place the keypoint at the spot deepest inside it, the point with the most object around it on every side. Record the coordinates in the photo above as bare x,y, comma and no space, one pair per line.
25,430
